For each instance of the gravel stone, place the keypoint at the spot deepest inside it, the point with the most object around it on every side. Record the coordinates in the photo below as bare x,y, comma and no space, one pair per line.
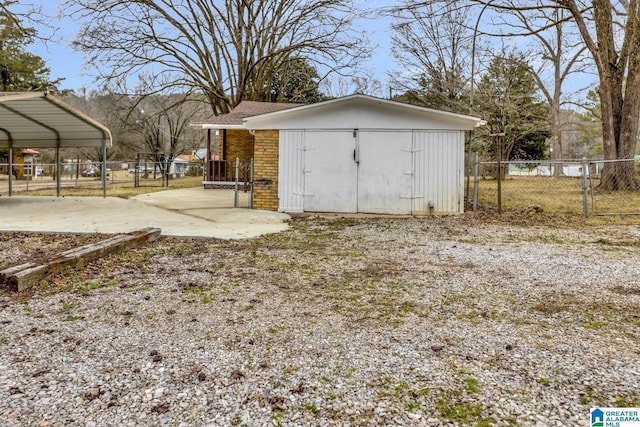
338,321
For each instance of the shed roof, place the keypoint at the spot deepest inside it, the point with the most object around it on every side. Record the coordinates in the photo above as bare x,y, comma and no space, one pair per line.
39,120
235,119
361,111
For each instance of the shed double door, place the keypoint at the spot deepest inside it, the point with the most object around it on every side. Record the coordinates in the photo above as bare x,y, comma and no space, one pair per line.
358,171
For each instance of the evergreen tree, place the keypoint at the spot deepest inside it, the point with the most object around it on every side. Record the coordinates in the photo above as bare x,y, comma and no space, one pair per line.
295,81
20,71
506,99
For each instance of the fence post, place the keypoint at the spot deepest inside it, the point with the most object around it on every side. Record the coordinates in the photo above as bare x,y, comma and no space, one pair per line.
235,198
585,188
166,171
476,168
136,173
251,184
498,140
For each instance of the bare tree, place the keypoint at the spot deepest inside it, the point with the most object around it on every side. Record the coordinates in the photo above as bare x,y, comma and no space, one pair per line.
558,54
507,99
108,108
433,44
339,86
229,50
159,122
610,30
22,14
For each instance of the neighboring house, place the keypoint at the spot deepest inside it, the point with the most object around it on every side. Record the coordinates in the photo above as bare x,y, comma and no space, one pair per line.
24,164
179,165
572,170
199,154
348,155
29,159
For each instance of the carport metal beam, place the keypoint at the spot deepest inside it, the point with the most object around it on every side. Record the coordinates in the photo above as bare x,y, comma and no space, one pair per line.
10,172
44,125
105,138
102,139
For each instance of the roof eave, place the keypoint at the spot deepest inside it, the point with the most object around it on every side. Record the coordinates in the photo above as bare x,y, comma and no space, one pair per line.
217,126
475,121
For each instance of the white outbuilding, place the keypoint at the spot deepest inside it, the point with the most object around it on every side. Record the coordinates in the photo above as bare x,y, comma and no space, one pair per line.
356,154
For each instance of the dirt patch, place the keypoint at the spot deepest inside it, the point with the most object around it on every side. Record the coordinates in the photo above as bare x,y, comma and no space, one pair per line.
18,248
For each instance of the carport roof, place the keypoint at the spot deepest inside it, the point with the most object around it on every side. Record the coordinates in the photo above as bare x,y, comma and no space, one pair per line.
39,120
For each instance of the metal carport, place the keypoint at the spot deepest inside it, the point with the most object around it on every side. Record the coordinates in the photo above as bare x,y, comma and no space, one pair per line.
40,120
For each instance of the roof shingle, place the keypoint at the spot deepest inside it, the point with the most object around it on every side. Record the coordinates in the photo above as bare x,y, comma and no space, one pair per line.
248,109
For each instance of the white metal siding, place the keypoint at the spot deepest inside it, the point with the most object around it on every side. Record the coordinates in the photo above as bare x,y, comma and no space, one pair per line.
385,172
438,168
317,171
291,171
330,173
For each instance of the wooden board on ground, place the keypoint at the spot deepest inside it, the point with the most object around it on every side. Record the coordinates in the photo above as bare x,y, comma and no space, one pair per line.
25,276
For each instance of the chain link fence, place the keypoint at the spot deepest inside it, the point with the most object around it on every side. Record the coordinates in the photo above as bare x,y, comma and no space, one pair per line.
74,176
565,187
243,181
35,176
232,174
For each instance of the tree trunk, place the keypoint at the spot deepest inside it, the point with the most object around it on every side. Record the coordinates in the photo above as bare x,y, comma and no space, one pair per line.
556,125
620,132
618,177
619,101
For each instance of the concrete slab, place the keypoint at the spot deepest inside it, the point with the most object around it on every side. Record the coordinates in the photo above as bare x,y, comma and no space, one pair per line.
190,212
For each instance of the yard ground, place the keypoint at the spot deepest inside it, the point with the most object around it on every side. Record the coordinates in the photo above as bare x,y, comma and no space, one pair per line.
336,321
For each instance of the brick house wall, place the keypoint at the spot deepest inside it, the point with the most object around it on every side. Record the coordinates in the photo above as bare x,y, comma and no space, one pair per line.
265,175
238,144
263,148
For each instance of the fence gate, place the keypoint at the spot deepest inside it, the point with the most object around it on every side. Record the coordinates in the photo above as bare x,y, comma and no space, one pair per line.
150,173
243,184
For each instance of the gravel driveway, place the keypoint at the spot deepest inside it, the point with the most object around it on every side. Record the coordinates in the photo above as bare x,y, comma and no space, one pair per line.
337,321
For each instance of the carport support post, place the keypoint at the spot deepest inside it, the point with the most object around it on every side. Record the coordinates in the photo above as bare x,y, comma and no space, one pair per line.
104,169
10,170
58,169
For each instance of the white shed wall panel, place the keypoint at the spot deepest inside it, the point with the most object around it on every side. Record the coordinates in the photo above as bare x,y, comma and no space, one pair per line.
330,173
384,172
396,172
438,169
291,170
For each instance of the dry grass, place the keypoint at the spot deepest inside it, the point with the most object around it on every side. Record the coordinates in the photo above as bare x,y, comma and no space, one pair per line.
556,195
122,189
627,202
